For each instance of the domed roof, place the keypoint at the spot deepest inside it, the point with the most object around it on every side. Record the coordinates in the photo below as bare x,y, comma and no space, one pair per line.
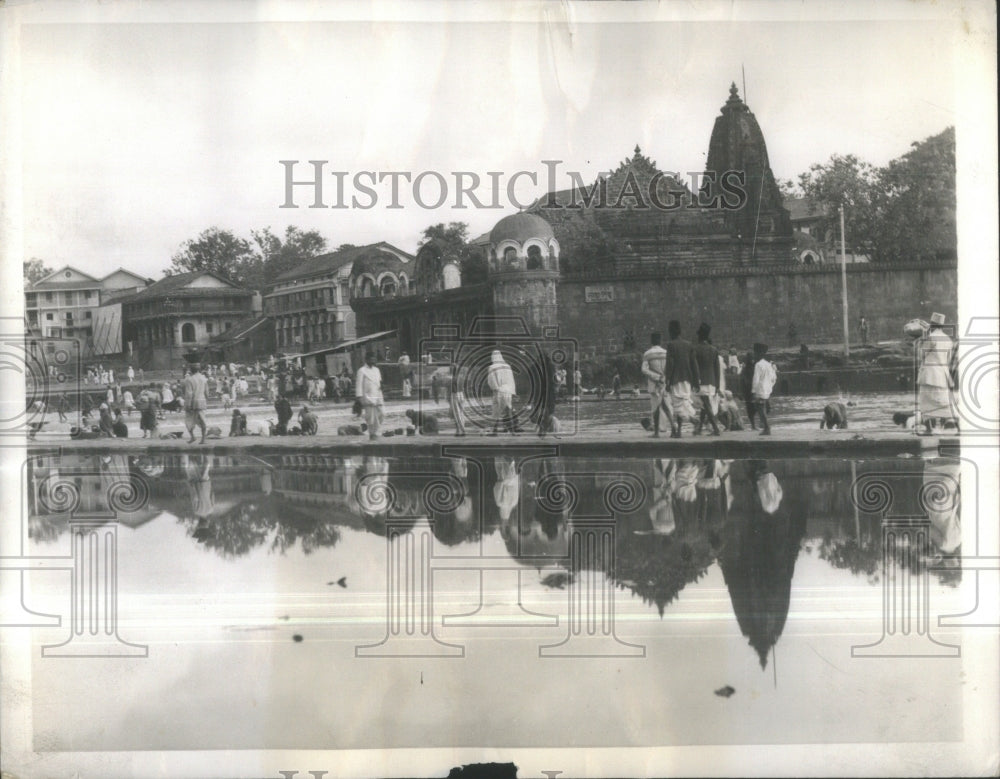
521,227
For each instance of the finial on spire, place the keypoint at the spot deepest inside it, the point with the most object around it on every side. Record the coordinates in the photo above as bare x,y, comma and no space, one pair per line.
733,91
638,152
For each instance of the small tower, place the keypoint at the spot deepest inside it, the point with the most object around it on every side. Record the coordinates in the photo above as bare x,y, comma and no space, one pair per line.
524,270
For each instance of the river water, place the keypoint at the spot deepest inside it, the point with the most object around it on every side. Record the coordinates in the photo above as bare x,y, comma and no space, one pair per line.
522,599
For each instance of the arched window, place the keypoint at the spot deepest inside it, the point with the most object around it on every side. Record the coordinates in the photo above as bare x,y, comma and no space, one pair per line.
510,261
187,333
534,258
366,287
387,287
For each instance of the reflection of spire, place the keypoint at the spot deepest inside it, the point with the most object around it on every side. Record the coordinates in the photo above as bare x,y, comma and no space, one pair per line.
759,559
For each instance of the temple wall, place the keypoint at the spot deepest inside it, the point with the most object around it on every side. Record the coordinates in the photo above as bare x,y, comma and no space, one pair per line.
744,308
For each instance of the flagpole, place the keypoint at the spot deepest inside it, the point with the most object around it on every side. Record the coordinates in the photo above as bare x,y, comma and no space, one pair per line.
843,283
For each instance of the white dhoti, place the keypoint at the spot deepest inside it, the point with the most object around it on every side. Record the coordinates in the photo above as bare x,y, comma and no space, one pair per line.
710,392
680,400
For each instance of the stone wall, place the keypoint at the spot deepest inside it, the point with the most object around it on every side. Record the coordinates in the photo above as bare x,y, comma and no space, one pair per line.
747,305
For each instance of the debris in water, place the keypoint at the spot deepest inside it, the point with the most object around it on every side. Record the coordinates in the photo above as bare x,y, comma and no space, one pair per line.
725,692
342,581
297,638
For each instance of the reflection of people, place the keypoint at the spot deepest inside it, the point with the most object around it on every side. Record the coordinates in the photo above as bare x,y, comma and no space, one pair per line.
368,390
934,379
941,488
196,472
507,489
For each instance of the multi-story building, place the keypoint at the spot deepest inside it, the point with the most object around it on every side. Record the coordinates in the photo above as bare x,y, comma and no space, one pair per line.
64,304
178,316
311,304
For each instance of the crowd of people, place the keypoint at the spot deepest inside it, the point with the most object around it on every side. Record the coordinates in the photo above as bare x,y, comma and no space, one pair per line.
688,383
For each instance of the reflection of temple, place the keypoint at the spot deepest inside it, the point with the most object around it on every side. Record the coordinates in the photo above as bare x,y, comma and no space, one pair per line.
762,541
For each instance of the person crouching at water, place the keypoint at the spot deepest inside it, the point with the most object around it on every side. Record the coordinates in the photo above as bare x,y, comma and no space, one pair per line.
308,421
764,378
424,423
368,390
654,368
707,357
238,425
834,417
682,374
119,427
729,413
500,379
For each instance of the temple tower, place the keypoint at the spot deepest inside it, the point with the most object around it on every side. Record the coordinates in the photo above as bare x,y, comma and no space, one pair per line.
737,144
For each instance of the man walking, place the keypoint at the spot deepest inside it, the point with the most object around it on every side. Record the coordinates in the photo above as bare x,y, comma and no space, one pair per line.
456,398
654,366
501,381
764,377
682,373
195,402
368,391
707,358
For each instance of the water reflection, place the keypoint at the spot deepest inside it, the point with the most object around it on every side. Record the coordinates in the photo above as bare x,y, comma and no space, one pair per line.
673,518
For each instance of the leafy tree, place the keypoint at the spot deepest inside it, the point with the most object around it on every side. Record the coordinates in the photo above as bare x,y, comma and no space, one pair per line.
35,270
222,252
453,236
902,212
849,182
279,255
918,219
452,239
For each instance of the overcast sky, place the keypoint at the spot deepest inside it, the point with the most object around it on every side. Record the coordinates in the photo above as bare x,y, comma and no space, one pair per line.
136,136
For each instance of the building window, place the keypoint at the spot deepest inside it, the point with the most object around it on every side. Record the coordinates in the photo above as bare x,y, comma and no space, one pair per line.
49,297
48,317
534,258
187,333
86,294
208,328
88,315
229,325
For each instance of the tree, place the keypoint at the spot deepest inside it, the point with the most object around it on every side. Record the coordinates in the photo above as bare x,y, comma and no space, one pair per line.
849,182
452,240
918,218
35,270
903,212
280,255
222,252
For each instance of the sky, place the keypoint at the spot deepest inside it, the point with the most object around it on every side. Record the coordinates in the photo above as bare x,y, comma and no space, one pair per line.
134,136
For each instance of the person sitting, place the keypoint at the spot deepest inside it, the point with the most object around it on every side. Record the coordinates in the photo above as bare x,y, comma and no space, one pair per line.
238,425
354,429
423,422
119,428
729,412
834,417
284,411
308,421
905,419
213,432
106,424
